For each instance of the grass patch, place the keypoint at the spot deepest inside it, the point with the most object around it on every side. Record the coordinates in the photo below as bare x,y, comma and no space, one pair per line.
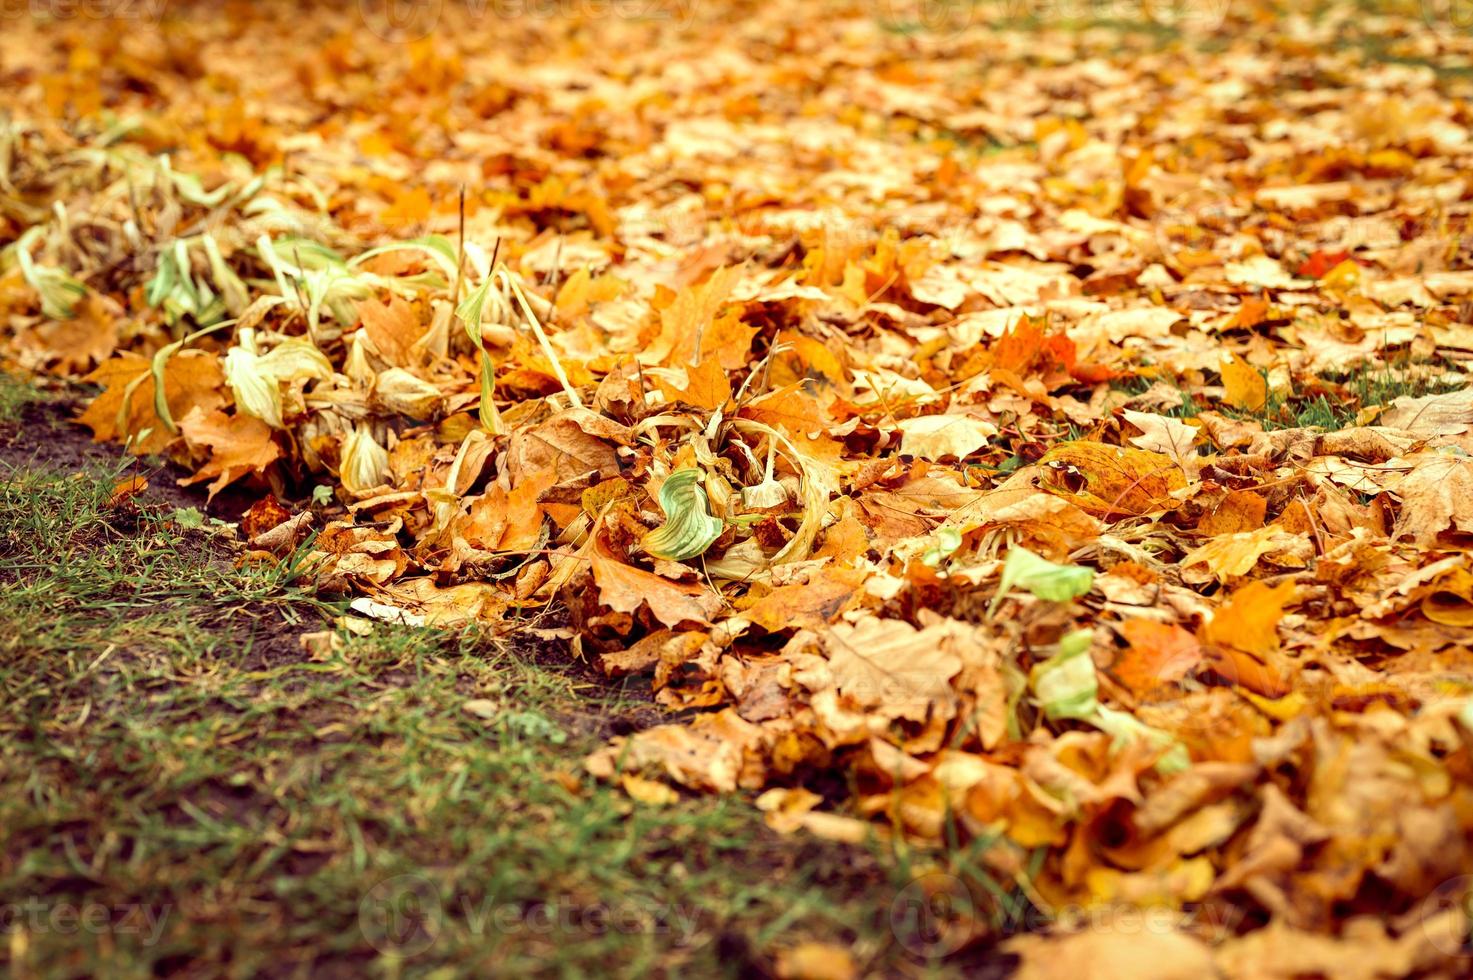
1336,400
1136,385
184,787
15,395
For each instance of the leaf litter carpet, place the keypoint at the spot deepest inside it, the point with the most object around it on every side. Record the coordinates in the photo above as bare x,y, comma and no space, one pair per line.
979,428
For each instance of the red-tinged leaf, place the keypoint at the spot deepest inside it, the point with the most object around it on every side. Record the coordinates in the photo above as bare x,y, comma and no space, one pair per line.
1319,263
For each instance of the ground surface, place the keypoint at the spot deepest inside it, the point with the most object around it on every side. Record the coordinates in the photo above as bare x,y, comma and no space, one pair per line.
1023,452
184,788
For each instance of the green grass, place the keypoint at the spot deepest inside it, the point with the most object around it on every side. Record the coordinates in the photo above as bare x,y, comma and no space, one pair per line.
14,396
184,788
1138,385
1367,386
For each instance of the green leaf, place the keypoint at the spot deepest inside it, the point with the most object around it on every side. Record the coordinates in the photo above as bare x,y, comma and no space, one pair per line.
470,309
1065,683
59,292
1066,688
1125,727
689,528
1045,579
944,544
189,517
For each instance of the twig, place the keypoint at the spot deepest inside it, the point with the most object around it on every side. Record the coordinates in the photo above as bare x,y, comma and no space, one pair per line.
460,252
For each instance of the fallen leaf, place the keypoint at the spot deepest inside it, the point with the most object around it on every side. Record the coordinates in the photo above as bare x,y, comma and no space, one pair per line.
651,792
706,386
816,961
939,436
1159,655
1436,496
1111,480
625,588
193,380
238,445
1243,386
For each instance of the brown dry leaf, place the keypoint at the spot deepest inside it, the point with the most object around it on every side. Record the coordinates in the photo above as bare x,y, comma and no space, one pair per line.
1240,510
1437,495
649,651
1431,415
1162,434
716,266
523,513
262,516
808,605
686,326
798,414
892,669
1364,952
1150,952
283,539
564,447
625,588
75,345
445,606
393,327
345,552
938,436
715,752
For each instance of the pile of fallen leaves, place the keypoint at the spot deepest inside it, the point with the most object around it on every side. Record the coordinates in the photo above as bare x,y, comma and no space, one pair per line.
1056,438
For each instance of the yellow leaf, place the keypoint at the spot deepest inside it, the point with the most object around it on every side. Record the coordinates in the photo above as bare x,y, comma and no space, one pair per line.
1249,620
1243,386
689,326
1230,555
648,791
706,386
1111,480
816,961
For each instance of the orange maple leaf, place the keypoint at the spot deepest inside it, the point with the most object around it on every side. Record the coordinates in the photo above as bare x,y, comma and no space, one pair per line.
193,381
706,386
239,445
